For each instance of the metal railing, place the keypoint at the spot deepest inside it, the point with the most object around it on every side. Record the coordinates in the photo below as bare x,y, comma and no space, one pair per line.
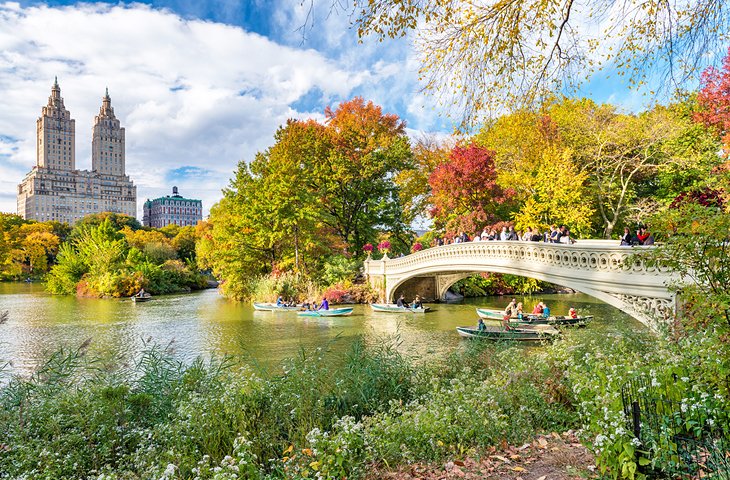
680,445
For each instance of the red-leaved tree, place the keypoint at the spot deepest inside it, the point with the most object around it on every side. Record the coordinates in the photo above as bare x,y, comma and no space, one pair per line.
464,191
714,101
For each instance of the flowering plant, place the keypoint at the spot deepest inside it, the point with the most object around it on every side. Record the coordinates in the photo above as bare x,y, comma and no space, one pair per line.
417,247
384,246
368,247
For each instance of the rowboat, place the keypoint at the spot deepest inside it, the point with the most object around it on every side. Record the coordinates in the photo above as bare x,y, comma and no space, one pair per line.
519,334
272,307
391,308
565,321
144,298
335,312
533,319
490,314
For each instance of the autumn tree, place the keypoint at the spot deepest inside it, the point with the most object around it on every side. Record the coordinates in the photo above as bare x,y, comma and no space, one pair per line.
355,179
713,101
480,57
558,195
414,190
465,192
622,153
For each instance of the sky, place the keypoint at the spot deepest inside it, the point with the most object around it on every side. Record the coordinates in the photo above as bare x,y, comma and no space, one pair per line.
198,85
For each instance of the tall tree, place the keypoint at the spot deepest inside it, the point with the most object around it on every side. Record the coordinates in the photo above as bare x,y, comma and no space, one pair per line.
465,192
355,180
619,151
713,101
414,190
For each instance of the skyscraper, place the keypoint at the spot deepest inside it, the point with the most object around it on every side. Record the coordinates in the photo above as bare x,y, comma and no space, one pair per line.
54,189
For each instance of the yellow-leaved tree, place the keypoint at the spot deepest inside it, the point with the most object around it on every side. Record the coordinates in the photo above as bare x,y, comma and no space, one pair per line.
559,195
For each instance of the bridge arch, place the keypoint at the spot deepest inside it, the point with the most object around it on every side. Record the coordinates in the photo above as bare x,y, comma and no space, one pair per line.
596,268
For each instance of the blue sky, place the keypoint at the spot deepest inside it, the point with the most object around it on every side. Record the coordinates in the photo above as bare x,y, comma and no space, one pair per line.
198,85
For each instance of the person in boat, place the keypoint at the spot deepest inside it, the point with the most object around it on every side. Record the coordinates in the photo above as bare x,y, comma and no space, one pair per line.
417,303
518,311
511,308
481,326
325,305
141,293
537,310
572,313
545,311
280,301
401,302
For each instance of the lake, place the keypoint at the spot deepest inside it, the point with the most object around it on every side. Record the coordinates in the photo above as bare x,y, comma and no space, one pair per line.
205,323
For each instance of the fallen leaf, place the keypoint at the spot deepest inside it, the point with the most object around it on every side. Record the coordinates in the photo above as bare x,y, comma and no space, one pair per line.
518,469
499,457
542,442
514,457
459,463
527,445
555,435
542,478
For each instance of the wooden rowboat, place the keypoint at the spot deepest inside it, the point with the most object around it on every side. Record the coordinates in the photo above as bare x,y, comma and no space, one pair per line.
391,308
272,307
531,319
145,298
519,334
490,314
335,312
564,321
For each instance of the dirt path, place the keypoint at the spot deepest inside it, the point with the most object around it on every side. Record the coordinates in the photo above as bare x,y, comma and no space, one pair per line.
548,457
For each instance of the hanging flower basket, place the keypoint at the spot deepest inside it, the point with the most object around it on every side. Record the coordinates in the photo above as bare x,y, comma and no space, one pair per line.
384,247
417,247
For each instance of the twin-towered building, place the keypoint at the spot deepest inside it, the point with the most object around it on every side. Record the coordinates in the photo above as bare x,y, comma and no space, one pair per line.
54,189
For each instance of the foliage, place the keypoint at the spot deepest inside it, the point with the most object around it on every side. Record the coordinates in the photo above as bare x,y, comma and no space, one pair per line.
414,189
99,261
544,46
321,189
559,195
713,101
465,193
497,284
27,247
339,268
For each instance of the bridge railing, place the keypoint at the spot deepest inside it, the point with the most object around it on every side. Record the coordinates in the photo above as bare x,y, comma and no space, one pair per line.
587,255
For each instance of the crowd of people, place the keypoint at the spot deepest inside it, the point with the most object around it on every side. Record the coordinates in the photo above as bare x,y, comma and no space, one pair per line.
556,234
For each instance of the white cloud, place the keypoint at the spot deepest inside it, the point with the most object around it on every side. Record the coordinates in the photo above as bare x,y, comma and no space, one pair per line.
188,92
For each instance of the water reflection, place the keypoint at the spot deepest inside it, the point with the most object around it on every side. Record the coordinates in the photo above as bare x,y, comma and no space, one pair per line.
205,323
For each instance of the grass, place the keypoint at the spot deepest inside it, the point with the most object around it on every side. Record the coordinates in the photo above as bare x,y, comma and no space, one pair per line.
325,416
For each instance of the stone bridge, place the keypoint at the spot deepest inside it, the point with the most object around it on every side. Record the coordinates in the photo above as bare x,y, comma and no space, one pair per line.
594,267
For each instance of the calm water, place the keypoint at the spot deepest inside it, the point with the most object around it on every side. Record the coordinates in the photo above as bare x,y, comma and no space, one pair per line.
205,323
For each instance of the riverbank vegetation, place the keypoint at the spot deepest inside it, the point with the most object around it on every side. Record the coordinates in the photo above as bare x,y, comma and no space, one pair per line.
111,256
332,416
